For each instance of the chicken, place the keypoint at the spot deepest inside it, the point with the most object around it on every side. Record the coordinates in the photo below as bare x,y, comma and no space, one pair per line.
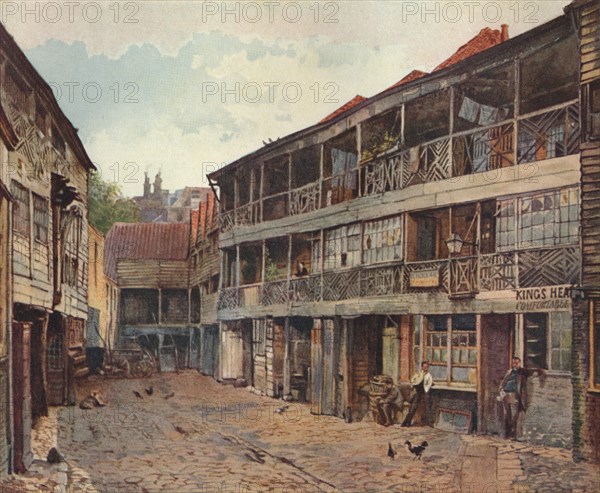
137,394
149,390
282,409
418,450
172,394
391,453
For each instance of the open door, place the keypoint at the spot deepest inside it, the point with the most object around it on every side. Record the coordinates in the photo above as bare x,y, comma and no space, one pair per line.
496,336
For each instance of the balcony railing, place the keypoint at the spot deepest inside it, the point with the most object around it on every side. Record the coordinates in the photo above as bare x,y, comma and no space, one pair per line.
460,277
546,134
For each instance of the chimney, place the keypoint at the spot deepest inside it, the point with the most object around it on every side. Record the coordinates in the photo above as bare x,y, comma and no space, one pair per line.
504,36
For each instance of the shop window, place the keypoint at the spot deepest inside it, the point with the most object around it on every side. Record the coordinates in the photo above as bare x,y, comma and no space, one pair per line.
41,218
561,340
457,334
21,213
536,340
382,240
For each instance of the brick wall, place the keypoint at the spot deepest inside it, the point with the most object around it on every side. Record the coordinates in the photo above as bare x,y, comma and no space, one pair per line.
549,413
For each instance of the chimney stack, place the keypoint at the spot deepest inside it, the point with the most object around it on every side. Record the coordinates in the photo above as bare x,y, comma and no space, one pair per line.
504,36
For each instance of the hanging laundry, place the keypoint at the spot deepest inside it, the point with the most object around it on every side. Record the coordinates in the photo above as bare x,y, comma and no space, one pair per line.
469,110
488,115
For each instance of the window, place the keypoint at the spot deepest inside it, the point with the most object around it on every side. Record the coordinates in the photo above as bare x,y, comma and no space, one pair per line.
41,218
57,141
259,337
536,340
382,240
544,219
455,335
426,238
71,241
21,213
342,247
561,341
593,109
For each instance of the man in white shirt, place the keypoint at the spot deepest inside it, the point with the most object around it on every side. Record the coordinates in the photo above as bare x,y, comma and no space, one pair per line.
422,381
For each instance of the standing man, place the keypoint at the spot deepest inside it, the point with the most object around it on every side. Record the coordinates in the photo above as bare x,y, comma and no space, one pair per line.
513,395
421,382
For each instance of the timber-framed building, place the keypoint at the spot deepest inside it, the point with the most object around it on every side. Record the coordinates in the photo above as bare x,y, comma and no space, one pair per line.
45,169
438,220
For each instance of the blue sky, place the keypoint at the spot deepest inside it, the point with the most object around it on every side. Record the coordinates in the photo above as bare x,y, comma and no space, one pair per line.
183,87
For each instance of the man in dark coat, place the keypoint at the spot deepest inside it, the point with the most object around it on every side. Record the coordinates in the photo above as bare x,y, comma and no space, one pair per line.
513,395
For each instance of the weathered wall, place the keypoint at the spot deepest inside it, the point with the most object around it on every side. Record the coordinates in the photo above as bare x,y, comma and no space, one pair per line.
4,418
549,414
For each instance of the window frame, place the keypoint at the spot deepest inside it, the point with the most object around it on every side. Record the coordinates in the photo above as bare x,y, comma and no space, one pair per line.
21,210
40,211
447,339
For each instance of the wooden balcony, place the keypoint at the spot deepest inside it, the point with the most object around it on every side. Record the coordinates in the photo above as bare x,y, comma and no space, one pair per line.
546,134
457,278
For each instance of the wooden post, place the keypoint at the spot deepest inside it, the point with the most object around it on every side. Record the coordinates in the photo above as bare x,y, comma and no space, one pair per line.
287,376
159,306
517,111
359,151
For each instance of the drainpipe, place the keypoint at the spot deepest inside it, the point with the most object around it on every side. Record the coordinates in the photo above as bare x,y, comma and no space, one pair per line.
9,317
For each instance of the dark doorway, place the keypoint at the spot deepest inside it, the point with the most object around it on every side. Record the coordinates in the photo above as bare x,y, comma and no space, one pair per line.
496,337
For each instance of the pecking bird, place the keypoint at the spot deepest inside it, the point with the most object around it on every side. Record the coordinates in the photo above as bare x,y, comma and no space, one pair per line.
418,450
181,430
149,390
172,394
137,394
282,409
391,452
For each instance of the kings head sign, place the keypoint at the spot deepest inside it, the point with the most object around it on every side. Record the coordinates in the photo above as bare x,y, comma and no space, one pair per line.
546,298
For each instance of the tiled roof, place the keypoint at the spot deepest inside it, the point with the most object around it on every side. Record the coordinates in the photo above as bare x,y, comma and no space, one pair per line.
194,214
342,109
485,39
137,241
414,75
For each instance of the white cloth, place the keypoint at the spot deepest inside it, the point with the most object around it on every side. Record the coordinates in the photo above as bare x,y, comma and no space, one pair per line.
425,378
469,110
488,115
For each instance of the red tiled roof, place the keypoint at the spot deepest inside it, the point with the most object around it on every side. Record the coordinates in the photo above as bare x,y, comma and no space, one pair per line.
342,109
194,220
414,75
484,40
211,213
202,220
137,241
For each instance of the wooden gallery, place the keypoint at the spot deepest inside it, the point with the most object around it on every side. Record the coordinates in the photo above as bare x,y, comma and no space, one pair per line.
438,220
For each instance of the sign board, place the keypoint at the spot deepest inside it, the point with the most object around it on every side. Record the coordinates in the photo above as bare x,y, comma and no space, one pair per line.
429,278
543,298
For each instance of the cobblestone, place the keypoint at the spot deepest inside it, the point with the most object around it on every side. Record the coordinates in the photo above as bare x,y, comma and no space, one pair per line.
209,438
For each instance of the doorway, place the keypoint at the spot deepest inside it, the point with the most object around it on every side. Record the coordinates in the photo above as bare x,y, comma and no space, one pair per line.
496,345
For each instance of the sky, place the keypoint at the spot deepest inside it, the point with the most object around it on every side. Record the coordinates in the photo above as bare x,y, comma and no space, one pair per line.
184,87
